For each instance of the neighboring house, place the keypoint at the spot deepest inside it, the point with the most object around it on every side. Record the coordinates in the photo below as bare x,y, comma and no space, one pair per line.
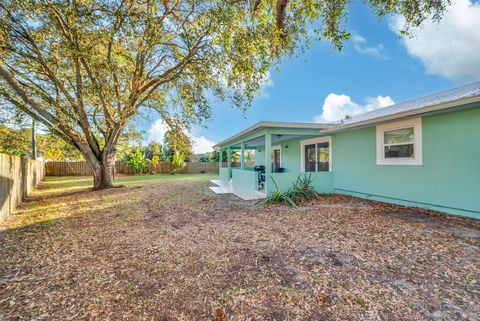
423,152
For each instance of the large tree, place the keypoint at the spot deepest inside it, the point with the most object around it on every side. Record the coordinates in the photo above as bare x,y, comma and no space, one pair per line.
84,68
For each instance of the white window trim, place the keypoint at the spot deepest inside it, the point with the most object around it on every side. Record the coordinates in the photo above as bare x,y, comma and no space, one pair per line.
416,123
323,139
276,147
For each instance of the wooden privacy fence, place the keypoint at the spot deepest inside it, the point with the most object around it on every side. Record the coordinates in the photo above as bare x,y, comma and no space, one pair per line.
199,167
81,168
18,176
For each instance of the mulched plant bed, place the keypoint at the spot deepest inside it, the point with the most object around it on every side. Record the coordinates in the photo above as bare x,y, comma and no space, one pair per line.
172,250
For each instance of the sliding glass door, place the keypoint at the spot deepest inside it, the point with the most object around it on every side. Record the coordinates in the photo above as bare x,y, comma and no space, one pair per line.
323,157
316,154
310,158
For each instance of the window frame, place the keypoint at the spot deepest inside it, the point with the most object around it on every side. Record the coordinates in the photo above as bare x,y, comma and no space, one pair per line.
316,140
416,124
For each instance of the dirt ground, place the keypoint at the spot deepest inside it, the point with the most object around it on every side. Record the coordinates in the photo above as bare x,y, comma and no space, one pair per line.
172,250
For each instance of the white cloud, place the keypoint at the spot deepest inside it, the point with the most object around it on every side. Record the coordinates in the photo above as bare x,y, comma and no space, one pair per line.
449,48
336,107
360,45
378,102
266,83
202,145
156,133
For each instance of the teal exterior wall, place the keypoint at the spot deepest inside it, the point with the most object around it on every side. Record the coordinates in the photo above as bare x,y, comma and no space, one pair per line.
224,177
260,155
246,180
448,180
322,181
290,155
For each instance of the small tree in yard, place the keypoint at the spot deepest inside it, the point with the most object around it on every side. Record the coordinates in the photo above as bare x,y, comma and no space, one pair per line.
178,162
85,68
177,140
154,161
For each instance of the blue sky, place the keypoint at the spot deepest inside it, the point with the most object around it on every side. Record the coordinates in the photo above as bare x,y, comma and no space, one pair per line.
375,69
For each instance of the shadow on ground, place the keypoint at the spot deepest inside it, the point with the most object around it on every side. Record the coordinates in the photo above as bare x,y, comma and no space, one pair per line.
171,250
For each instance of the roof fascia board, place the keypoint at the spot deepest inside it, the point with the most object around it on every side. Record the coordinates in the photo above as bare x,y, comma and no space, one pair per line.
244,134
293,131
237,139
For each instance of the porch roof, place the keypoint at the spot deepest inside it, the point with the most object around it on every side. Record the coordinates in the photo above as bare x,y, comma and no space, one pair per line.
275,128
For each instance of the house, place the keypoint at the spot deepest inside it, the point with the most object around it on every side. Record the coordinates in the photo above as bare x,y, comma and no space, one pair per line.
423,152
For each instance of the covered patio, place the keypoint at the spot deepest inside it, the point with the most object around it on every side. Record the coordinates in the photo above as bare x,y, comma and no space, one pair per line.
277,159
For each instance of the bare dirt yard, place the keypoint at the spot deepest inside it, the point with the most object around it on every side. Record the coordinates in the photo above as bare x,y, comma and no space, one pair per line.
169,249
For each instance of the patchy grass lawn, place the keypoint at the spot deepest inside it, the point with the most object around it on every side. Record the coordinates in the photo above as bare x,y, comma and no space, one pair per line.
166,248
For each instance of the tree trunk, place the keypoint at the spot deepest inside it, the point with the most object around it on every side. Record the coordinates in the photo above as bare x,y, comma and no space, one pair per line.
103,172
102,178
103,164
102,169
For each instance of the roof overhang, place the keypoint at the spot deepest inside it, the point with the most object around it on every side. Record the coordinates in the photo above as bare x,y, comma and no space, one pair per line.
268,124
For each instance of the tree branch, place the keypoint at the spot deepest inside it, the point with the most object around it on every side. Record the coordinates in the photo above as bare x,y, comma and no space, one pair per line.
46,116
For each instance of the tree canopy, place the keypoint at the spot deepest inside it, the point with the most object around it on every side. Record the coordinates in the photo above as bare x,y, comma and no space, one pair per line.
85,68
176,140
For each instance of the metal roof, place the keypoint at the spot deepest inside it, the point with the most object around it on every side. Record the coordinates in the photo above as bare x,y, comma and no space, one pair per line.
451,98
459,93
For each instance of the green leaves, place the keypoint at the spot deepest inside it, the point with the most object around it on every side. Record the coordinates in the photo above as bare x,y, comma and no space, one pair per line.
137,162
90,66
300,192
178,162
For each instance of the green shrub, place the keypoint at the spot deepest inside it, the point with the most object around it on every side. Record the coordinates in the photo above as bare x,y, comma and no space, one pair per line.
137,162
278,197
178,162
301,192
155,160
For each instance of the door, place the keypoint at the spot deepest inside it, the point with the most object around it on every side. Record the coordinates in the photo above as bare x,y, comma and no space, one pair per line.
276,160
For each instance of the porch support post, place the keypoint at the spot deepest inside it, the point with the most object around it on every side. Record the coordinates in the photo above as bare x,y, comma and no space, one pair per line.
242,156
268,161
220,158
229,162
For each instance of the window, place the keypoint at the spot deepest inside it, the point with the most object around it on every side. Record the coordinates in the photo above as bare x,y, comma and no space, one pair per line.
316,154
400,143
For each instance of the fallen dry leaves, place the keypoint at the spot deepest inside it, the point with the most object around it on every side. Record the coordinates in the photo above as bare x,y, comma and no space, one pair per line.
174,251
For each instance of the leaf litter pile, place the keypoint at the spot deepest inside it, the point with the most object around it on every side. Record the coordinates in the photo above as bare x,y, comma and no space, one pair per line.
172,250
